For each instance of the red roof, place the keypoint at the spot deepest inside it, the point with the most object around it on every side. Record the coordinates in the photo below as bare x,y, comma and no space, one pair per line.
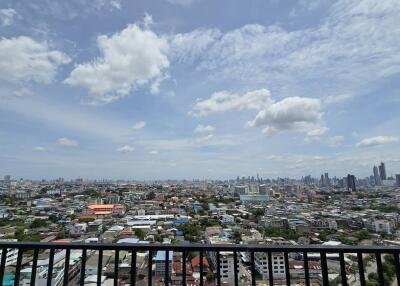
196,262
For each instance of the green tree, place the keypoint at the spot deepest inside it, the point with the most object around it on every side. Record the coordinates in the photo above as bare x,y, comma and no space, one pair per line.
210,276
140,233
37,222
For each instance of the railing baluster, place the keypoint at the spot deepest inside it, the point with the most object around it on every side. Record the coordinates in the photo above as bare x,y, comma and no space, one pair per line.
270,271
397,265
83,266
343,269
361,268
235,268
34,265
324,267
306,268
379,268
201,269
150,268
50,268
18,267
99,267
133,268
3,263
166,266
218,268
66,267
116,264
287,271
184,268
253,270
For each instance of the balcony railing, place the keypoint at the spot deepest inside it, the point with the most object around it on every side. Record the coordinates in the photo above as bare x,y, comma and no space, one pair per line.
261,258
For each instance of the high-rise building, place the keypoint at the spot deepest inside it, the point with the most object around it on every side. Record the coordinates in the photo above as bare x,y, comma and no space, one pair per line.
398,180
322,181
382,171
327,180
7,178
377,178
351,182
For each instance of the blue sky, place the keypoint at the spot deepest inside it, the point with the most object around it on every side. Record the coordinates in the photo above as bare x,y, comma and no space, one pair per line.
198,89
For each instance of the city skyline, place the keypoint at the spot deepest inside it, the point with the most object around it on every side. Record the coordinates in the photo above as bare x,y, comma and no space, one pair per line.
172,89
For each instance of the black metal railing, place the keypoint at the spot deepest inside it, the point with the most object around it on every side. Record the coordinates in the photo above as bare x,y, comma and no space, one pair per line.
216,254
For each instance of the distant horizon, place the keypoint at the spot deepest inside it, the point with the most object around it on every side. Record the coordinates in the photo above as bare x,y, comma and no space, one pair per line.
177,88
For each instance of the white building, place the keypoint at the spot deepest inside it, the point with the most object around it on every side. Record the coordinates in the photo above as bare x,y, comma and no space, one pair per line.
227,219
380,226
12,253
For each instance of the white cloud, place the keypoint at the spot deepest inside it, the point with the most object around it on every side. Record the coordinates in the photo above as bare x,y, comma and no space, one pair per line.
22,59
376,141
68,142
132,58
292,113
7,17
349,53
335,141
40,148
187,47
225,101
153,152
182,2
203,128
125,149
139,125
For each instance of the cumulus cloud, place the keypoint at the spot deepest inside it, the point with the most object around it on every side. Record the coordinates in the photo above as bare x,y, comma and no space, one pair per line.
125,149
7,17
203,128
376,141
129,59
292,113
226,101
68,142
23,59
335,141
139,125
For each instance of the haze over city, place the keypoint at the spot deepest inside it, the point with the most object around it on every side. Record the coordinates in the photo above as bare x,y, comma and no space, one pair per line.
198,89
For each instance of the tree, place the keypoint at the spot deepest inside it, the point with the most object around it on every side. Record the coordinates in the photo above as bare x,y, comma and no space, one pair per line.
140,234
60,234
362,234
37,222
210,276
151,195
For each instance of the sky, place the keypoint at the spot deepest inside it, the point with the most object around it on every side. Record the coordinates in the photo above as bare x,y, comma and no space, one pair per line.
199,89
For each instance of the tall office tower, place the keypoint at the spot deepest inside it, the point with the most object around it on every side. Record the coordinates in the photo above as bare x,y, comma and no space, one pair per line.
327,180
398,180
382,171
377,178
351,182
322,181
7,178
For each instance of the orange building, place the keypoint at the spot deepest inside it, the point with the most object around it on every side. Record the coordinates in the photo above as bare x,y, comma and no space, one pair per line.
105,210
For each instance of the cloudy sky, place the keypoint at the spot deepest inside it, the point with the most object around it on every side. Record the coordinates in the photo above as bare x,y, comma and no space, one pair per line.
198,88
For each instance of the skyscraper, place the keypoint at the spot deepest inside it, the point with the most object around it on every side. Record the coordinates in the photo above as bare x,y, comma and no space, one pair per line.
351,182
377,178
382,171
322,181
398,180
327,180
